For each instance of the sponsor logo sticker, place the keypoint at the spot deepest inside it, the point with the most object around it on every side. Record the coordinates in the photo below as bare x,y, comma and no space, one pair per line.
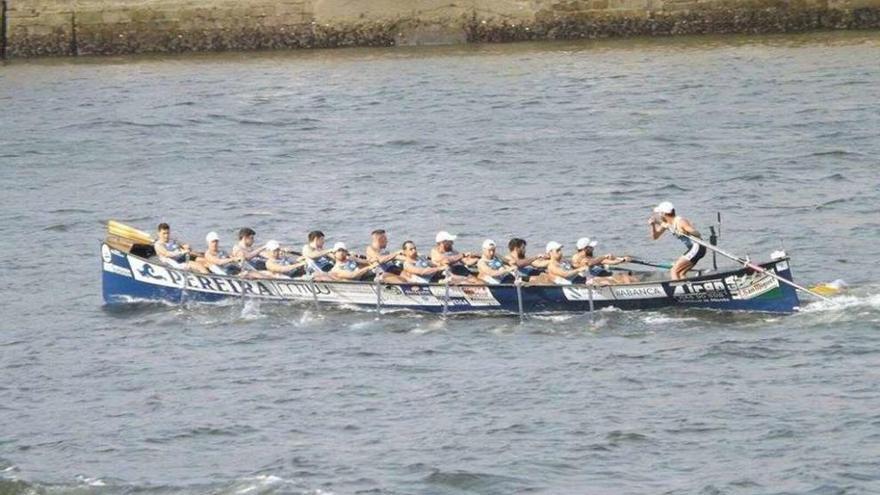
638,292
583,293
750,286
708,291
118,270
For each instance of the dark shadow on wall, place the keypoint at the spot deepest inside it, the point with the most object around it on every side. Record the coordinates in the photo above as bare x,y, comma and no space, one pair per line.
2,29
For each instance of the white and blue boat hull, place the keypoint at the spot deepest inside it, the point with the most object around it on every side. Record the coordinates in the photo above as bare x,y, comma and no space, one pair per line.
128,278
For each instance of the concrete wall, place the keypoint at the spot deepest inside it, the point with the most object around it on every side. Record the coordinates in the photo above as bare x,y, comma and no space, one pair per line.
79,27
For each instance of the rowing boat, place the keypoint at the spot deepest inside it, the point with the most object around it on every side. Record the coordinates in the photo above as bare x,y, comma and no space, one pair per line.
129,276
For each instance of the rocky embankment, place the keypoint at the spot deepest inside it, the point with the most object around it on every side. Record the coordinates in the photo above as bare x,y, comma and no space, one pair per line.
96,27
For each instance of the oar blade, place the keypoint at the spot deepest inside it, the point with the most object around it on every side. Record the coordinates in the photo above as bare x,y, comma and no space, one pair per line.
124,231
830,288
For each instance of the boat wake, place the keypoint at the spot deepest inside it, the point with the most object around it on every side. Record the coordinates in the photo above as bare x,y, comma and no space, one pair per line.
844,303
860,304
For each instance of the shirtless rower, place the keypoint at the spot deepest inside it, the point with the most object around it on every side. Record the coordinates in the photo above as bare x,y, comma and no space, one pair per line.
217,260
173,254
252,257
528,266
559,271
346,268
596,265
492,270
416,269
390,264
444,255
664,219
314,250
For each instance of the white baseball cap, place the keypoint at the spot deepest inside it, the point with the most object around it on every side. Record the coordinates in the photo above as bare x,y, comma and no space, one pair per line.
488,243
584,242
338,246
212,236
272,245
443,236
553,246
664,207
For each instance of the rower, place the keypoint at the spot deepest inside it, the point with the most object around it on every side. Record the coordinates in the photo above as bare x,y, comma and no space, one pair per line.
559,271
492,269
416,269
528,266
377,252
173,254
444,255
280,266
346,268
596,265
217,260
314,250
390,264
252,258
663,219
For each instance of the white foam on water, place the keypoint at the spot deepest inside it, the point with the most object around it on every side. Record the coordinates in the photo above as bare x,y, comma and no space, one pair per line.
8,473
358,325
554,318
658,319
251,310
309,317
428,327
841,303
261,483
598,324
85,480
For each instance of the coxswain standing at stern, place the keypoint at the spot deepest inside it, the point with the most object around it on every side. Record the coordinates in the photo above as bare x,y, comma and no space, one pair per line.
664,219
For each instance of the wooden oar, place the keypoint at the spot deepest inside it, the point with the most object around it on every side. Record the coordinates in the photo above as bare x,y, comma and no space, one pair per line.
136,236
748,264
127,232
829,289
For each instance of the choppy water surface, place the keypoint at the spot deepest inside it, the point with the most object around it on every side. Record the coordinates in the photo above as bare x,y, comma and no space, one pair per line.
544,141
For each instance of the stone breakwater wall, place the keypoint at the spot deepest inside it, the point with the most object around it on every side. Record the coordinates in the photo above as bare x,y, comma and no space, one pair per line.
87,27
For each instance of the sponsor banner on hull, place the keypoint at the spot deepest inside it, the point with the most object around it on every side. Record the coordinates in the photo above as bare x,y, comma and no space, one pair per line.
151,274
583,293
639,292
476,296
699,292
750,286
352,293
118,270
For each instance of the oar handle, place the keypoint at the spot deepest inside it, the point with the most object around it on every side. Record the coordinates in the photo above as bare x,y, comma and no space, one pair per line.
650,263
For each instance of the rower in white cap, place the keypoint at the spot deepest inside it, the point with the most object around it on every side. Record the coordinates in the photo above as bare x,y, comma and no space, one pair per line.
559,271
663,219
217,260
596,265
491,269
444,255
347,268
280,266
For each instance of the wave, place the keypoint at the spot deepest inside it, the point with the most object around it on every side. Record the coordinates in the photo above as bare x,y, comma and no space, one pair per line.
58,227
475,482
263,484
